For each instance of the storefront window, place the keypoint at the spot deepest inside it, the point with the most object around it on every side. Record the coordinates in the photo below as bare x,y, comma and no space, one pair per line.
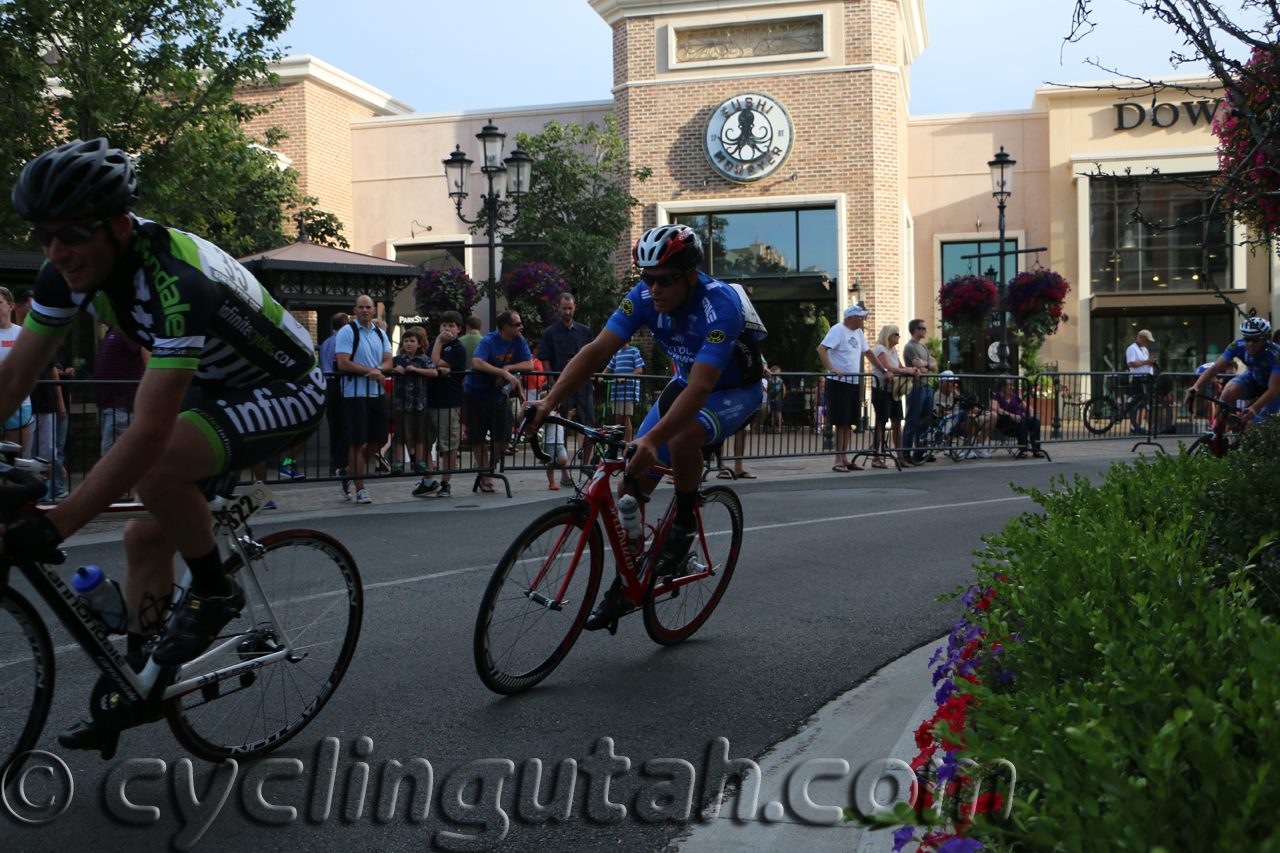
767,244
1127,256
432,256
952,266
1183,341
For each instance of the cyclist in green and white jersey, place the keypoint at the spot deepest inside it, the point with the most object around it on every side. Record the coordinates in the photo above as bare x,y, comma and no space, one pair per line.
232,379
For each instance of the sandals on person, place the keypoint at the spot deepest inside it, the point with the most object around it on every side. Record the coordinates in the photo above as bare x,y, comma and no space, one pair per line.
878,463
1040,454
555,487
840,469
1021,454
724,475
746,475
487,488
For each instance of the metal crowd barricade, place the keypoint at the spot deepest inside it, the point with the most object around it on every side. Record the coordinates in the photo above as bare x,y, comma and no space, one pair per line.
1070,407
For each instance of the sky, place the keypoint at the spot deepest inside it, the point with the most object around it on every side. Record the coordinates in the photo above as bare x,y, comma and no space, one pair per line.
439,56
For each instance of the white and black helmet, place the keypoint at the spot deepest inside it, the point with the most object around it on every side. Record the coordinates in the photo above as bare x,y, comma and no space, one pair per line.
1255,327
668,245
78,180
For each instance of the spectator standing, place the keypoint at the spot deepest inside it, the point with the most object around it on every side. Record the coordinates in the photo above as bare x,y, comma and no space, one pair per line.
337,420
561,341
1142,374
363,355
777,392
412,369
887,407
920,400
842,352
501,354
444,404
628,361
472,338
1013,417
120,361
18,428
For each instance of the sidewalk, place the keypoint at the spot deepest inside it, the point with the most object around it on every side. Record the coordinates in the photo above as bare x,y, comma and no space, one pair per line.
303,501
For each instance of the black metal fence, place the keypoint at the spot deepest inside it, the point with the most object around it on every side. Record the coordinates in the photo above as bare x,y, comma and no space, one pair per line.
955,415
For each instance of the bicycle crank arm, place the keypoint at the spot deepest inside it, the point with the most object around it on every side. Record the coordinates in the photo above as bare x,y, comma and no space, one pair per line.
549,603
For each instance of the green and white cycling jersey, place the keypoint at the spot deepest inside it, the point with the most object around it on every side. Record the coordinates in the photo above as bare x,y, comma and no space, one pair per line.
193,305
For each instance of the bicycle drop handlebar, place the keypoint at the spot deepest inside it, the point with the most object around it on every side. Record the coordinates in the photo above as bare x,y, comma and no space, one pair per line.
609,436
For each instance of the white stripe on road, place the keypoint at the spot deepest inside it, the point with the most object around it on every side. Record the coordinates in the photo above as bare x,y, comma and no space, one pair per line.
884,512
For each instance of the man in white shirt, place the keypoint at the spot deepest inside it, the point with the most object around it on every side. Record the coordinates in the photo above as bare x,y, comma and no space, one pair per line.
842,352
1141,372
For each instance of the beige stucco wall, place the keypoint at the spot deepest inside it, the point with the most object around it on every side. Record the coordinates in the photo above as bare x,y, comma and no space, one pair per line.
1067,133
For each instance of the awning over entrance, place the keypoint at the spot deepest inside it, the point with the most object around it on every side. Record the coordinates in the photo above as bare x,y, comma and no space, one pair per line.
800,287
305,275
18,269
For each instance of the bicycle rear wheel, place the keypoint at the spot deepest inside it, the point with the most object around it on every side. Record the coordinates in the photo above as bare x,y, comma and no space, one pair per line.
1100,414
314,589
26,681
677,605
1159,417
537,600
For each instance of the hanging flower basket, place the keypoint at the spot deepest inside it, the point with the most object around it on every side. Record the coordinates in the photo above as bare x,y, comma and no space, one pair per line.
1254,192
1035,300
439,291
967,302
533,289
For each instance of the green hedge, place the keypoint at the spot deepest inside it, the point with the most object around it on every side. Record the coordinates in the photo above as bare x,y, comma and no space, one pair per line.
1145,704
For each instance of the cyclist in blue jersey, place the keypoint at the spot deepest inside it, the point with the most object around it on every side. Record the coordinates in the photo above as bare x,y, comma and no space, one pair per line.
232,380
1260,381
714,341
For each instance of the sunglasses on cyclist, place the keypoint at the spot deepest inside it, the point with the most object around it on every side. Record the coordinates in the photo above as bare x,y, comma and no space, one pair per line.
68,235
665,280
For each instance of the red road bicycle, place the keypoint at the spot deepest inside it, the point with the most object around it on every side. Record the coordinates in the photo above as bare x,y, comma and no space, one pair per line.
1224,431
542,590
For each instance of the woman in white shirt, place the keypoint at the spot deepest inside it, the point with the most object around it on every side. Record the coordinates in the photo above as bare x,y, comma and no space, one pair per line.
886,407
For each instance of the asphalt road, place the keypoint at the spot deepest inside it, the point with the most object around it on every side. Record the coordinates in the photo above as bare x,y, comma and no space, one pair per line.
836,579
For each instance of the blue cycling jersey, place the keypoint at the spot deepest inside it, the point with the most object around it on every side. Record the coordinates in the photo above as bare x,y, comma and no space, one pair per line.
1257,367
709,328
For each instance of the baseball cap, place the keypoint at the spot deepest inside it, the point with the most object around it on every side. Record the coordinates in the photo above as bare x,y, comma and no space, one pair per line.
1145,334
855,311
946,373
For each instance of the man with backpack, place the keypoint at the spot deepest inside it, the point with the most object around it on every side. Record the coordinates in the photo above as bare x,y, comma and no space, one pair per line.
363,351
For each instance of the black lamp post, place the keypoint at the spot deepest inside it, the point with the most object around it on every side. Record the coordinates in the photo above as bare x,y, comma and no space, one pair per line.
1002,187
509,177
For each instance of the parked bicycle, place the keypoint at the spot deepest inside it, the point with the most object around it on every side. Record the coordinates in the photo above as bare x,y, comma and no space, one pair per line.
1123,401
1223,432
542,590
261,682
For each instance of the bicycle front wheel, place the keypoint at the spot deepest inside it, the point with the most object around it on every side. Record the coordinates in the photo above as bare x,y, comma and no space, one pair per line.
26,681
313,589
537,600
677,605
1100,415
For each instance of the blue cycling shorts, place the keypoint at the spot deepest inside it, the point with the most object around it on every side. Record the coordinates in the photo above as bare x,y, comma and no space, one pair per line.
20,419
721,416
1254,389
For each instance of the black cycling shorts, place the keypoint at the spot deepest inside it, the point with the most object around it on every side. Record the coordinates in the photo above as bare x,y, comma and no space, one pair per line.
247,425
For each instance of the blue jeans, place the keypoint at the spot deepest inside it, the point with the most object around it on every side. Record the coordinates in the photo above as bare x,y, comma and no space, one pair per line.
919,408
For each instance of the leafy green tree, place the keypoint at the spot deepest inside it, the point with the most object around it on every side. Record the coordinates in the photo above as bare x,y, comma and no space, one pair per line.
578,206
158,78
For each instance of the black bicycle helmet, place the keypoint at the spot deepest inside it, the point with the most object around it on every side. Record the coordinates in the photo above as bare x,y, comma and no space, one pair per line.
1255,327
668,245
78,180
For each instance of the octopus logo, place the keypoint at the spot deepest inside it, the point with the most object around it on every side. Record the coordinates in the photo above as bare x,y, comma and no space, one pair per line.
748,137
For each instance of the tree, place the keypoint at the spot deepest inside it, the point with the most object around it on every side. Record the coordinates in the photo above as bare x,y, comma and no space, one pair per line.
158,78
578,206
1243,57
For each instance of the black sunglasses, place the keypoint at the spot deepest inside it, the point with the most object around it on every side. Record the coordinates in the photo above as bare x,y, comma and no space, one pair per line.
664,280
68,235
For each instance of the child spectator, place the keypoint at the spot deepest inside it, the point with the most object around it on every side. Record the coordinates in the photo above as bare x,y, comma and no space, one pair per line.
626,392
412,368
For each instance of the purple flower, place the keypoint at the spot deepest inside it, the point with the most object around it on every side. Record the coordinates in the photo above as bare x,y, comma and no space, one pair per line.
902,836
961,845
947,688
948,769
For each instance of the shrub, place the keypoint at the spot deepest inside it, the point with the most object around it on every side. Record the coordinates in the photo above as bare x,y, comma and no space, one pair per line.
1242,506
1142,709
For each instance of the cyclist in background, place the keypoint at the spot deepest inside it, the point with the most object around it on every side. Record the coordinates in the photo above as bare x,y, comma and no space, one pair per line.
1260,381
232,380
713,339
